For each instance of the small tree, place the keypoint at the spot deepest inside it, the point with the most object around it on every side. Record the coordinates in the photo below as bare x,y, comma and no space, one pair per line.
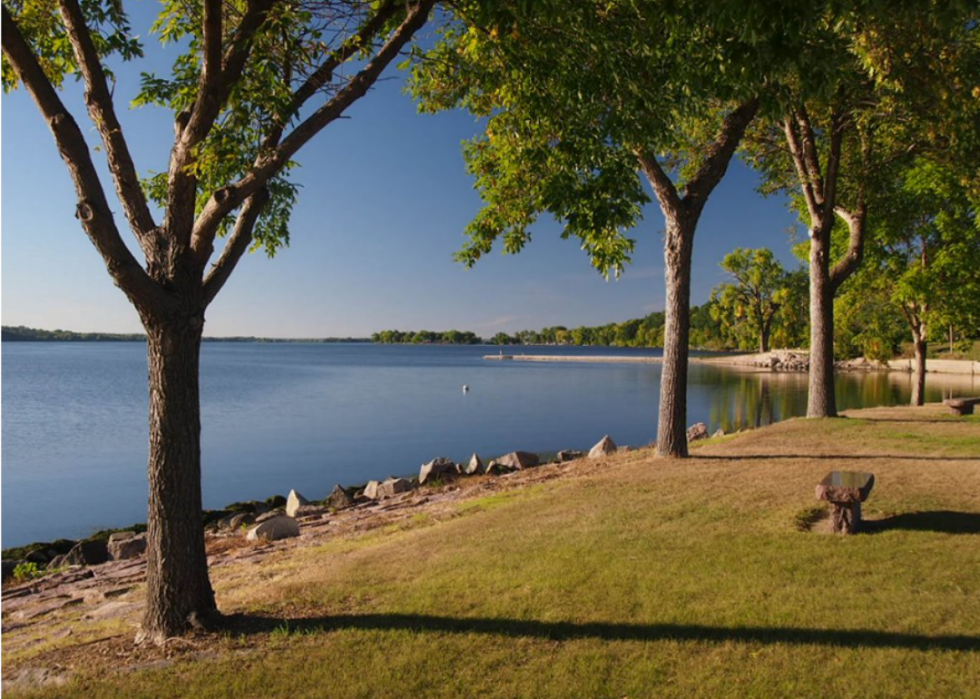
760,290
255,82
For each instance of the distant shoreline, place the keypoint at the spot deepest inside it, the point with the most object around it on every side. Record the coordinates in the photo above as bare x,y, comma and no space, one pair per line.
771,361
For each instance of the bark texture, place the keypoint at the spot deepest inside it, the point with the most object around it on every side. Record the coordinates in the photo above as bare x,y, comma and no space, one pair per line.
177,571
821,398
672,427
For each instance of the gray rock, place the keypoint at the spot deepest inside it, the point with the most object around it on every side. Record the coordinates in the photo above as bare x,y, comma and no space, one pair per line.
294,502
57,562
131,547
339,499
604,447
242,518
474,466
309,511
517,460
281,527
271,514
437,467
393,486
697,431
88,553
718,433
569,455
121,536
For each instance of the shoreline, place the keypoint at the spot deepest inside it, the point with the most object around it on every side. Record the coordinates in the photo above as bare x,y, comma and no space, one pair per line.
777,360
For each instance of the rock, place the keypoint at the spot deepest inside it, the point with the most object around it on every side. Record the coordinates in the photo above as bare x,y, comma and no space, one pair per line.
57,562
697,431
474,466
393,486
718,433
294,502
241,519
371,490
339,499
309,511
605,447
437,467
121,536
569,455
281,527
88,553
518,460
271,514
131,547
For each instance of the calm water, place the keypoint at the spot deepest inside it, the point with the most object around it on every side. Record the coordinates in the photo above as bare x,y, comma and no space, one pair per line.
307,416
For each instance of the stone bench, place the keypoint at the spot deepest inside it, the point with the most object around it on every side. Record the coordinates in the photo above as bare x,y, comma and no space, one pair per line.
845,491
962,406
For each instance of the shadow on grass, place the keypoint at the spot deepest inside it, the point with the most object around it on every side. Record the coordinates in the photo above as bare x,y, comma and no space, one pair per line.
566,631
942,521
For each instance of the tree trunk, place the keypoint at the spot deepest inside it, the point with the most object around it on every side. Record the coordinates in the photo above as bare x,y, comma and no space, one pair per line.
919,378
178,588
764,334
821,401
672,428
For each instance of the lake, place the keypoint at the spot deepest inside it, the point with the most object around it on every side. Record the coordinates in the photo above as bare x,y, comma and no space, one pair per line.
278,416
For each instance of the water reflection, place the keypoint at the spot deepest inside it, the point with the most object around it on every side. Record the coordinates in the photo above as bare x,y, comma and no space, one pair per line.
739,399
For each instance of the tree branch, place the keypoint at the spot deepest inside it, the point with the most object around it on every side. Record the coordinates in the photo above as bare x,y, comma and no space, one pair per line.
236,246
93,209
101,109
214,88
267,165
719,154
802,172
663,186
324,73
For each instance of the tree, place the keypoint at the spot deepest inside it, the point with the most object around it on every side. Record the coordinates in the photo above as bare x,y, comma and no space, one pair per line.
256,81
930,255
890,80
759,292
604,92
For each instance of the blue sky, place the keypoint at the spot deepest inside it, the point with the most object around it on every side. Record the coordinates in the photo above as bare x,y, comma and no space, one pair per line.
384,203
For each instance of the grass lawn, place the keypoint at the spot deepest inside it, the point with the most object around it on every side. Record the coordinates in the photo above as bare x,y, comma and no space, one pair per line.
647,578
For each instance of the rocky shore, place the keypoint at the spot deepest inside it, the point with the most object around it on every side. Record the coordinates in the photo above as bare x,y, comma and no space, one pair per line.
44,565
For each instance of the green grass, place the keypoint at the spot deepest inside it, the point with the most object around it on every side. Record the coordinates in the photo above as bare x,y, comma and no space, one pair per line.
648,578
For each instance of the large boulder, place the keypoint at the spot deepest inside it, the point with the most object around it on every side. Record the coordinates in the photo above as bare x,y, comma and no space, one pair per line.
569,455
473,467
437,467
282,527
271,514
339,499
88,553
604,447
697,431
123,547
393,486
372,490
294,502
9,566
517,460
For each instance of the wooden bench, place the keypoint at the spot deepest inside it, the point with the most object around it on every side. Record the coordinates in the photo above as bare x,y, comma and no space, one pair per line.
962,406
845,491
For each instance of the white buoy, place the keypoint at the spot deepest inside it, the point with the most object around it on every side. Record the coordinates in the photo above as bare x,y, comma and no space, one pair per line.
466,389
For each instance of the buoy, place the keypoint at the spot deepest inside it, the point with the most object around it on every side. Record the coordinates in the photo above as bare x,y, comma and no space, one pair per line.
466,388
